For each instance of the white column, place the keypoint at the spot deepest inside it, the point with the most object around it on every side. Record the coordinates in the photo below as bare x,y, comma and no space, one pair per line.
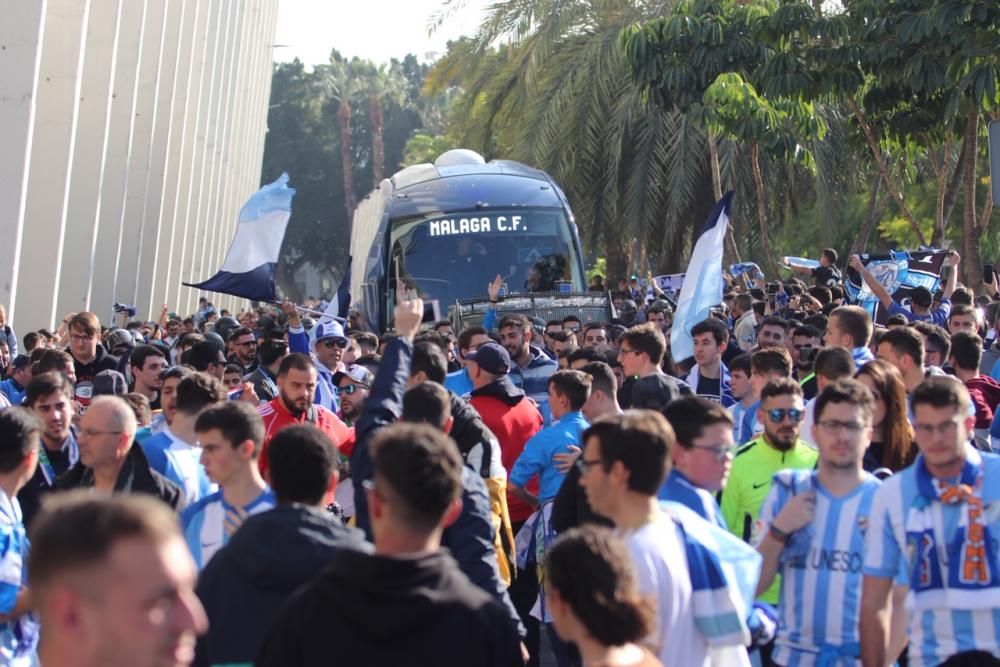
166,230
182,213
145,251
21,34
119,149
83,211
48,173
141,158
190,271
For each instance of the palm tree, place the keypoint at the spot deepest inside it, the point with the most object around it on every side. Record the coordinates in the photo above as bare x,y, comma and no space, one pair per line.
557,94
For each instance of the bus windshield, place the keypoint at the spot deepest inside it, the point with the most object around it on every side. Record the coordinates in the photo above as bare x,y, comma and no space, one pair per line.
455,256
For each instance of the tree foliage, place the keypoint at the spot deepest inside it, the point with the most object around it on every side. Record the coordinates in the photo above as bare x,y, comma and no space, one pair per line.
305,138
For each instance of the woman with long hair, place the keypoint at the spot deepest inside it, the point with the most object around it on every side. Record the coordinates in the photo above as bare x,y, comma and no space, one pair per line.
591,595
892,445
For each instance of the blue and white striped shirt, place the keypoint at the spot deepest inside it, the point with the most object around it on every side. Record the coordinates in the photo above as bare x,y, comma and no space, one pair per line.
204,523
19,636
820,596
963,624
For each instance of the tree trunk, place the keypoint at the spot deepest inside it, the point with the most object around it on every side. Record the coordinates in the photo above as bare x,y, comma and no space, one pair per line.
890,184
346,154
940,222
876,206
970,228
378,147
955,185
770,264
618,262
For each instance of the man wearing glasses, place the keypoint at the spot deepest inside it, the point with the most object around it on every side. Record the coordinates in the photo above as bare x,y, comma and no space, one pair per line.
777,448
702,458
812,532
934,528
243,349
89,356
353,385
111,461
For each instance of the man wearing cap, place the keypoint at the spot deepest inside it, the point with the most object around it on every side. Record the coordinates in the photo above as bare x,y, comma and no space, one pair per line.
353,386
329,343
109,383
920,298
14,387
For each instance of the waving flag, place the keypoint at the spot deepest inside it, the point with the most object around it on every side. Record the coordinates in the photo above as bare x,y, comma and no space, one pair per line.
900,272
339,304
703,282
248,270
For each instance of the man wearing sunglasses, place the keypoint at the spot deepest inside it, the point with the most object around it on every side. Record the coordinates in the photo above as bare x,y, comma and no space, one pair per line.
329,343
353,385
778,448
243,350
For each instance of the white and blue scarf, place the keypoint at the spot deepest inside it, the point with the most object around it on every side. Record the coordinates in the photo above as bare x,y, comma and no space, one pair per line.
724,571
951,571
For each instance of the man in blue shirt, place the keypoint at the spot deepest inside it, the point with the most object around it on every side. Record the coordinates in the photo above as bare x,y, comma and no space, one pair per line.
15,386
702,457
933,527
921,298
19,446
568,391
469,340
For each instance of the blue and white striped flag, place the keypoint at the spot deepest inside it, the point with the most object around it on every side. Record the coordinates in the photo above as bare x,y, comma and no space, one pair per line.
703,282
341,301
249,268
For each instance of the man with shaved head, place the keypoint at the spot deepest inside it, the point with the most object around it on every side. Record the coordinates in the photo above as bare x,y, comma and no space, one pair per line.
109,460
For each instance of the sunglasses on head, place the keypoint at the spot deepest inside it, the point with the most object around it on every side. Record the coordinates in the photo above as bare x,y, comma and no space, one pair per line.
778,414
351,388
334,342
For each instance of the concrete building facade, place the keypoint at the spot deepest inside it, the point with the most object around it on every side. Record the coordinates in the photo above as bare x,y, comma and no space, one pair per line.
131,133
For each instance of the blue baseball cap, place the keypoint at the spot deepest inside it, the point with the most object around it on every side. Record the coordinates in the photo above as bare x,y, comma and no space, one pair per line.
492,358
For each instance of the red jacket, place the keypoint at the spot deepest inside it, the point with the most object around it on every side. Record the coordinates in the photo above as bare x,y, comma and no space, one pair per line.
513,418
276,417
985,393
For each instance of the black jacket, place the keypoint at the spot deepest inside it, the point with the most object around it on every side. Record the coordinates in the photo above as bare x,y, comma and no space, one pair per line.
468,430
571,509
103,361
245,584
378,610
135,477
470,538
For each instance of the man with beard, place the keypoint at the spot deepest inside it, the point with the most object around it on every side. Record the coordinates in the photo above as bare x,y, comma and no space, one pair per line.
50,397
353,386
297,380
531,368
778,448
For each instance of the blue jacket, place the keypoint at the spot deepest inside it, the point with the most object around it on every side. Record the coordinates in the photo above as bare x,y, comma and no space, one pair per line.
14,392
533,378
470,538
459,382
536,459
679,489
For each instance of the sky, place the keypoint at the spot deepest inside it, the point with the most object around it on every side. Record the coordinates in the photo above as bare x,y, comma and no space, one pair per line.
374,29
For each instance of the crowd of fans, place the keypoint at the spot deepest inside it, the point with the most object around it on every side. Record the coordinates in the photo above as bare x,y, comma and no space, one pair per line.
273,489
